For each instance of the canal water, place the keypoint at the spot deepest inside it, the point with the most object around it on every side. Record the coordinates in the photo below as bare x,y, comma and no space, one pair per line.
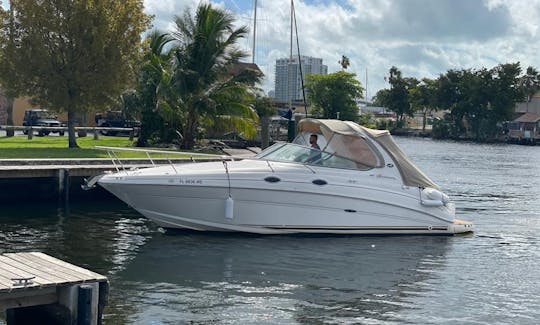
157,277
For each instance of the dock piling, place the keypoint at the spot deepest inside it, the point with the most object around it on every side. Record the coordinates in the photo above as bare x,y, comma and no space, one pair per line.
63,185
84,306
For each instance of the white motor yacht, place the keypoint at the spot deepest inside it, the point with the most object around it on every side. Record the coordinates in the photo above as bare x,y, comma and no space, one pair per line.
359,182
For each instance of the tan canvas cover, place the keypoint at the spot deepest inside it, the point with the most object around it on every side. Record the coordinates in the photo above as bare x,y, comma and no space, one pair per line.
411,175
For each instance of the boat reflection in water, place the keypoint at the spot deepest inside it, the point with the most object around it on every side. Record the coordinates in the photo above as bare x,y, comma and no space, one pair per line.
359,182
279,279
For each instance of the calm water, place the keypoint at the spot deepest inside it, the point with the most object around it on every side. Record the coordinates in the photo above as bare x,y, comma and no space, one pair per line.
491,277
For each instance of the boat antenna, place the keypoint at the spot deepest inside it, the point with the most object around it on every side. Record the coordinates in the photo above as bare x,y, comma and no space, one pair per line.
299,58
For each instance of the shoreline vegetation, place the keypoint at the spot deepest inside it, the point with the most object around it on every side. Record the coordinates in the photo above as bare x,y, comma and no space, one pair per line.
19,147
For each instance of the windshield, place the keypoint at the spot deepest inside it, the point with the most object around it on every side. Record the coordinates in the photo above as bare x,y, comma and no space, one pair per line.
44,115
295,153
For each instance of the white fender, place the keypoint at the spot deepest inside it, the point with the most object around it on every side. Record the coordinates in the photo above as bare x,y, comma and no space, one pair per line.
229,208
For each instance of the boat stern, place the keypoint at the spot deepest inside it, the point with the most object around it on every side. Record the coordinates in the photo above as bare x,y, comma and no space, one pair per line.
462,226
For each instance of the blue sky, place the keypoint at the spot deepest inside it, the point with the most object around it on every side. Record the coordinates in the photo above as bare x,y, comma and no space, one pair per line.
423,38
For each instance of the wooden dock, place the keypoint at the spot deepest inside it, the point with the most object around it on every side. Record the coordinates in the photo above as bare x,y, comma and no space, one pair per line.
37,288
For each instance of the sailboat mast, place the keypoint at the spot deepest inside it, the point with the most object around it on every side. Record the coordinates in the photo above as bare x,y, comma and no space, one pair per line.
366,85
292,21
289,81
300,64
254,30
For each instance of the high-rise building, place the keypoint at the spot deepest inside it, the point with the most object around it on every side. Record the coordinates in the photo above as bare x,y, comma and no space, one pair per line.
288,82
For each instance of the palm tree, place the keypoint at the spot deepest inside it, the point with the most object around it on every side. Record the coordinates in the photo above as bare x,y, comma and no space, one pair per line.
344,62
154,86
203,59
530,83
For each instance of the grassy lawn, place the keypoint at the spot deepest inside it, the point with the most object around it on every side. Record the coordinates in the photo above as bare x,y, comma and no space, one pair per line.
56,147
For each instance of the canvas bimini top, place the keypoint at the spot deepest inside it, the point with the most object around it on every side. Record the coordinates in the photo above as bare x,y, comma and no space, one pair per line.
349,140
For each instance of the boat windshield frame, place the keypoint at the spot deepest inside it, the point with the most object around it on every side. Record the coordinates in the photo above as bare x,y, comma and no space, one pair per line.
295,153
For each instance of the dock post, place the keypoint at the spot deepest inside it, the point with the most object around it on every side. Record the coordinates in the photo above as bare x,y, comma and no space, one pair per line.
84,305
63,185
103,294
82,301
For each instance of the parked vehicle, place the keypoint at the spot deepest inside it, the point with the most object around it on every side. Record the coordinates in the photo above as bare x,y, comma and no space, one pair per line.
116,119
42,117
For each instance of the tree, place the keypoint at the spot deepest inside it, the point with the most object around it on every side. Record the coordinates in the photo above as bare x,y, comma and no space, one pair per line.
264,108
530,83
7,40
481,98
423,99
475,88
155,91
72,56
334,95
398,100
204,58
448,96
505,92
381,97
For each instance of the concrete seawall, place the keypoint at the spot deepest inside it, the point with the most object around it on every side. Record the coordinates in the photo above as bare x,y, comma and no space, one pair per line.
28,180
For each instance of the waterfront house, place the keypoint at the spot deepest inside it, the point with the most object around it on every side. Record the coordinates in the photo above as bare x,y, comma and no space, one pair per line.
525,129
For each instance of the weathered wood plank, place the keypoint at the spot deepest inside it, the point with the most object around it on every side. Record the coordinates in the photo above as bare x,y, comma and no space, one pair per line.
25,270
49,267
5,282
8,287
9,272
79,270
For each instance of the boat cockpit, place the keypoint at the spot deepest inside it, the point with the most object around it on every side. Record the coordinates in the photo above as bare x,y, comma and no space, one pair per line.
340,151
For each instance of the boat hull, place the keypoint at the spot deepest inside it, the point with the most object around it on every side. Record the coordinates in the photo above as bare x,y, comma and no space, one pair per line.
281,211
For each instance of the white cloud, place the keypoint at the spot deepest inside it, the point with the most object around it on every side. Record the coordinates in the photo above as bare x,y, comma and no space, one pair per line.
423,38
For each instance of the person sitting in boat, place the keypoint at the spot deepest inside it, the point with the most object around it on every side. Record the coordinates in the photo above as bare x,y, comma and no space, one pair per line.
313,141
315,154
